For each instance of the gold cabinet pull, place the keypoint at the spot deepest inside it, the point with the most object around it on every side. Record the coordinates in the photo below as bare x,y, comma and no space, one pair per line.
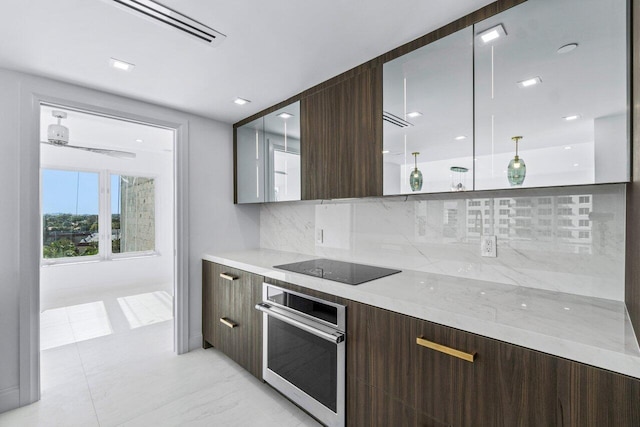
228,322
469,357
228,276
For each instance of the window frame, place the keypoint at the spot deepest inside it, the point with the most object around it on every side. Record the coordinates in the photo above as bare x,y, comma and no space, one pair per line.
104,219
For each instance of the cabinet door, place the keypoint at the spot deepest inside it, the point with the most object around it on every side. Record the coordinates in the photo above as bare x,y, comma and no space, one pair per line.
505,385
238,326
342,129
590,396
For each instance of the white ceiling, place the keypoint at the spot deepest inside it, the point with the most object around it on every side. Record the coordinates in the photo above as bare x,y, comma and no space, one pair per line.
274,49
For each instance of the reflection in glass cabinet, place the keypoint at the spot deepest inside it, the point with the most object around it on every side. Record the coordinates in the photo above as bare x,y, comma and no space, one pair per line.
268,157
428,108
554,72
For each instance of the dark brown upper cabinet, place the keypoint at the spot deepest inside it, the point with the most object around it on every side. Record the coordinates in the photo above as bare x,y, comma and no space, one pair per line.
428,117
341,127
267,157
555,73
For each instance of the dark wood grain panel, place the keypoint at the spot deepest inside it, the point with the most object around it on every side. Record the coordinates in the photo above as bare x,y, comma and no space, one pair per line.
254,339
373,407
341,127
632,276
207,305
588,396
506,385
234,300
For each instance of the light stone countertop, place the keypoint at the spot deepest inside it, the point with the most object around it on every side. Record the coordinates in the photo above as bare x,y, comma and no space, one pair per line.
594,331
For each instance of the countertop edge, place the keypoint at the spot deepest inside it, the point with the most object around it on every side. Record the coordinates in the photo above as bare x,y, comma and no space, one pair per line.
571,350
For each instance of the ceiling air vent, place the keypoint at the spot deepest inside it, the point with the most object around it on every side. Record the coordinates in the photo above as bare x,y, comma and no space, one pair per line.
163,14
395,120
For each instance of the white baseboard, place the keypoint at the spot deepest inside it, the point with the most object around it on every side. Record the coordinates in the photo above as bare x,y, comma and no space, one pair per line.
195,341
9,398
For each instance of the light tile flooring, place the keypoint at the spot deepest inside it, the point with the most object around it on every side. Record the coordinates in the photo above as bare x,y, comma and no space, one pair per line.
110,362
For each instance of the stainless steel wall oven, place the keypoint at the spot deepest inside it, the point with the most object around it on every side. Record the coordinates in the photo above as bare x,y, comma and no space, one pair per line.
304,351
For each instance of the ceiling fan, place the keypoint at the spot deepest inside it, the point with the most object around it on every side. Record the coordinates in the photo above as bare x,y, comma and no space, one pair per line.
58,135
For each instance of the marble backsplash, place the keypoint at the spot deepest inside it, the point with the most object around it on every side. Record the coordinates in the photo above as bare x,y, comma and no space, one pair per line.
566,239
562,239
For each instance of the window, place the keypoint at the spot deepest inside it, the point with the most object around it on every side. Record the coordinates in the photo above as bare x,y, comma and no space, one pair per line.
545,211
546,222
504,221
79,219
504,212
583,223
565,211
585,199
523,223
474,203
565,222
505,202
544,201
583,211
566,234
70,205
487,203
583,235
565,200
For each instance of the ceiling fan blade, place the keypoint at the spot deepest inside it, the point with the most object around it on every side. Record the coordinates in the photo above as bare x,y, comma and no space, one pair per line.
105,151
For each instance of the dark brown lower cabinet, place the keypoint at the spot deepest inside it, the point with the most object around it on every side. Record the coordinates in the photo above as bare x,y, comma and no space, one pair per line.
392,380
229,321
589,396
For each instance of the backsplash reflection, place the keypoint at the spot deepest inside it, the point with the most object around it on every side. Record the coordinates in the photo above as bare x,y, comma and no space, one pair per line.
568,240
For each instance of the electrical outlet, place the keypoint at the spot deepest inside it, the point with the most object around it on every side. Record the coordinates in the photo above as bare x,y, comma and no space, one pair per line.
319,236
488,246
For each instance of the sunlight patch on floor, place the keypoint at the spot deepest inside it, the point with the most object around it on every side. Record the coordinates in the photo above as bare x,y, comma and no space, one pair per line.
66,325
147,309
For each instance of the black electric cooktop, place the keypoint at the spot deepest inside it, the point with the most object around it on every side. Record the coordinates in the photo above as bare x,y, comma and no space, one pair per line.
338,271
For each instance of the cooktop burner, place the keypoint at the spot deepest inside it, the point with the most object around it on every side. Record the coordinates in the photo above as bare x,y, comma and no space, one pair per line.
338,271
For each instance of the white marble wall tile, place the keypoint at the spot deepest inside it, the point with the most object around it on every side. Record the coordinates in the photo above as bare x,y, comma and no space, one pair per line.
568,240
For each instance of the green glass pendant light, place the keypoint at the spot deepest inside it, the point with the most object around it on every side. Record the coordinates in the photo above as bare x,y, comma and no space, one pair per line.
415,179
517,169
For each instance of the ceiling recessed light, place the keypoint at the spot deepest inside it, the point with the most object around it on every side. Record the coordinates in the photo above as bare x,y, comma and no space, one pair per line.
492,33
138,140
460,138
575,165
574,117
385,152
121,65
568,48
568,147
241,101
523,305
285,115
567,308
530,82
414,114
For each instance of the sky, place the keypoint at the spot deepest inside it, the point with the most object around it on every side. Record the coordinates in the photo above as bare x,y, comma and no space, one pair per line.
75,192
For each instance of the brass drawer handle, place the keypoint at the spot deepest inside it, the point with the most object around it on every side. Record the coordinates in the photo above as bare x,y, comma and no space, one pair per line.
228,322
228,276
469,357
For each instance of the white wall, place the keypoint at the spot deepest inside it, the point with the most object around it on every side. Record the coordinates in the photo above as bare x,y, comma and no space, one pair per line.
214,222
60,283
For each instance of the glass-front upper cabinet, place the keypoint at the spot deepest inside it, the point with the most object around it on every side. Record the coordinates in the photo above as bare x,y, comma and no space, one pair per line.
268,157
282,143
551,94
428,118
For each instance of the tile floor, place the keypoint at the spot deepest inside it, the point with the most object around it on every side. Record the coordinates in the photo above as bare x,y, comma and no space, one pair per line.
110,362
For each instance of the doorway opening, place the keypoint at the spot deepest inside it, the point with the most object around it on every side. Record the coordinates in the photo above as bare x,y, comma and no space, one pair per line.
108,227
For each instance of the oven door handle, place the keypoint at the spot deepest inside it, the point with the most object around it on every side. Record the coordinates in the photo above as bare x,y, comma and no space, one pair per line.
336,337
